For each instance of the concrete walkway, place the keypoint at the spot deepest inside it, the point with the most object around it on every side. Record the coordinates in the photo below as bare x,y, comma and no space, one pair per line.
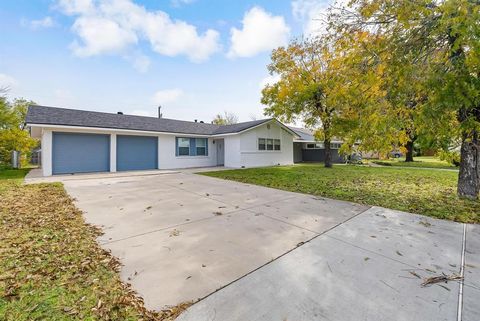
252,253
369,268
182,236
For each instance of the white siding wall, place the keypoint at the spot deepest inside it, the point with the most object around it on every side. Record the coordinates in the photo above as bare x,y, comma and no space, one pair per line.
168,160
113,153
166,150
232,151
47,152
250,156
240,150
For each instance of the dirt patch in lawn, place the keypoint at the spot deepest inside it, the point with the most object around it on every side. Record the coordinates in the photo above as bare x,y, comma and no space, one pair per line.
51,267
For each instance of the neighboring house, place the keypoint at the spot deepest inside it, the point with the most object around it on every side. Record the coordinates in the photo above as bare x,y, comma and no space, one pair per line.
75,141
307,149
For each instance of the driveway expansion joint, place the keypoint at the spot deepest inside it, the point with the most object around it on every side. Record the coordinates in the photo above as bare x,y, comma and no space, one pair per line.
283,254
462,275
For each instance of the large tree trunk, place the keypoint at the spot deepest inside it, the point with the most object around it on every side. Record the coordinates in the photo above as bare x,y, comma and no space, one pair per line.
328,153
469,175
409,147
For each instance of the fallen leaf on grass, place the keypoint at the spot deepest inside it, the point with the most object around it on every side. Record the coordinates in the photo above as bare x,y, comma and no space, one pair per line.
53,248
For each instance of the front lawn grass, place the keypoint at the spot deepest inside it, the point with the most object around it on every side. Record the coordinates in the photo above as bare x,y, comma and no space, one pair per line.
422,191
421,161
51,267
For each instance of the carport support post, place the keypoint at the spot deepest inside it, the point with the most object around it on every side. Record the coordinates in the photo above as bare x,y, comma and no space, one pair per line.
113,153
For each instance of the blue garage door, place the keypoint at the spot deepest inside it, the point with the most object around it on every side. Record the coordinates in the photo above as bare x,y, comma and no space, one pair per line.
136,152
80,153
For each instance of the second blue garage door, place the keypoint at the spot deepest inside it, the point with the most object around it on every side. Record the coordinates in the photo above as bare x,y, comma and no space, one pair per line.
136,152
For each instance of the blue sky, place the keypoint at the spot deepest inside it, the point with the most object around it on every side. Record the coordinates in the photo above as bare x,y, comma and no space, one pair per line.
196,58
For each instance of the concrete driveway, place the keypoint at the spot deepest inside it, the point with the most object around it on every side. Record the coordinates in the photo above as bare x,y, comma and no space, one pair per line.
276,255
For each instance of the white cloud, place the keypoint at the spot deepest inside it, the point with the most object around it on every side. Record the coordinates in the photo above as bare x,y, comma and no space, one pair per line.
269,80
179,3
100,36
261,32
46,22
106,27
166,96
7,81
74,7
313,13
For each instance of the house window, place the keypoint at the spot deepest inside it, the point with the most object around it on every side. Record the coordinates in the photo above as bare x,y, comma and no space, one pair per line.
335,145
261,144
183,146
201,145
315,146
187,146
276,144
268,144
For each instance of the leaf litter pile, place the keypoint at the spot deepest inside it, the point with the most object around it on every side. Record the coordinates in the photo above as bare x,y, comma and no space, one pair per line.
51,267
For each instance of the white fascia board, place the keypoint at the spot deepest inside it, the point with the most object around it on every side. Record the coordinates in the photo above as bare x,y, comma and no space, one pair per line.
115,130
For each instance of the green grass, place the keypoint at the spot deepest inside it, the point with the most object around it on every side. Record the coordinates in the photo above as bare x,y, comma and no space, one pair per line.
422,191
423,161
11,177
51,267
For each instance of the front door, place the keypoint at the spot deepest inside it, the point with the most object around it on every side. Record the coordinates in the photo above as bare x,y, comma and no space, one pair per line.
220,152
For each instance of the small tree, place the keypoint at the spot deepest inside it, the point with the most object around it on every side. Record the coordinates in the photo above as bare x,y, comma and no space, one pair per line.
13,136
306,89
225,119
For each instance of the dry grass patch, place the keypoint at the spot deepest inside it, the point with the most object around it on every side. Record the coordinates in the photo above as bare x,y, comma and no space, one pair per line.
51,267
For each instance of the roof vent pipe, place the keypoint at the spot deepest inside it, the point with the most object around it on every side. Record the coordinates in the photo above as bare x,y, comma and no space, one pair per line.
119,113
195,120
160,112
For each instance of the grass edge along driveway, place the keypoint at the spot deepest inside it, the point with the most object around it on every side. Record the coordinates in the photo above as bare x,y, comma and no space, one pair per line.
421,191
51,267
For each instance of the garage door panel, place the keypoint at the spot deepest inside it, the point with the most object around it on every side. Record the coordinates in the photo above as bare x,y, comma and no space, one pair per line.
80,153
136,152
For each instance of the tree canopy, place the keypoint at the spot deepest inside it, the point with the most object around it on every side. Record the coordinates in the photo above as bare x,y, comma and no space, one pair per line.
431,49
13,135
226,118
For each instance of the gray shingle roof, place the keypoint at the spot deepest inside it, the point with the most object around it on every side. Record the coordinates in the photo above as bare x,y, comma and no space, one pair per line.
82,118
235,128
308,135
303,133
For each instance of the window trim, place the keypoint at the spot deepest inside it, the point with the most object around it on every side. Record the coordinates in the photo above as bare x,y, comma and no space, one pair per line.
320,145
266,142
192,146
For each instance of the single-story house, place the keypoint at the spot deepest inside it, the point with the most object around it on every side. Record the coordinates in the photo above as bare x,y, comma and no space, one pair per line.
307,149
78,141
